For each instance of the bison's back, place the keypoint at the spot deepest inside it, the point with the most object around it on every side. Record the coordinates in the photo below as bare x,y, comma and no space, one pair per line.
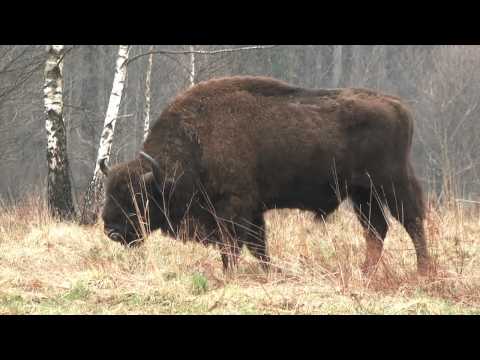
264,136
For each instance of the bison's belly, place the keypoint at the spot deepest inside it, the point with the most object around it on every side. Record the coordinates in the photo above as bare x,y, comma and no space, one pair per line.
305,195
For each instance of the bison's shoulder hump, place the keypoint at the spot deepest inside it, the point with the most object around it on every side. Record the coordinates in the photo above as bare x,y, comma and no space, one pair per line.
256,85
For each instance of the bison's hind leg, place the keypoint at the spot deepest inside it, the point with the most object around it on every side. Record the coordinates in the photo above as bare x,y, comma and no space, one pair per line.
405,200
255,240
369,211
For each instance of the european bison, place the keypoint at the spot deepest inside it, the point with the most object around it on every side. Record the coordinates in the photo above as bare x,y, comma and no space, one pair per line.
228,149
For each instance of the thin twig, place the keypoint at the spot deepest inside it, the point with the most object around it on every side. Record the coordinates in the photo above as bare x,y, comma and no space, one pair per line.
201,52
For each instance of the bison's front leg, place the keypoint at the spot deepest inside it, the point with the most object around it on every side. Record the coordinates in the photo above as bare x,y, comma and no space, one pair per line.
248,232
219,232
233,219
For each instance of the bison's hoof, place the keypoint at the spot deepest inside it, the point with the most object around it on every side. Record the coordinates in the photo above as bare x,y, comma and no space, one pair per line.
369,268
426,269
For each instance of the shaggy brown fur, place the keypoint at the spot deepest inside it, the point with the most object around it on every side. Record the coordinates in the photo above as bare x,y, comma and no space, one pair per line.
231,148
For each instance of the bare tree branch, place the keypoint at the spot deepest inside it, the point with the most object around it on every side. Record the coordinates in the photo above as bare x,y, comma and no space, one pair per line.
201,52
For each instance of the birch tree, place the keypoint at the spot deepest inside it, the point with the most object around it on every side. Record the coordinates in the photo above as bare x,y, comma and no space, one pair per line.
94,194
148,79
192,65
59,191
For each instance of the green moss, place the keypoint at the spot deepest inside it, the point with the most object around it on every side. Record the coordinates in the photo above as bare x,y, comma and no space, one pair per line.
199,284
78,292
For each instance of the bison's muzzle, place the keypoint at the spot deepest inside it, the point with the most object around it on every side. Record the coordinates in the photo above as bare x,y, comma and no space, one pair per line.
125,238
116,235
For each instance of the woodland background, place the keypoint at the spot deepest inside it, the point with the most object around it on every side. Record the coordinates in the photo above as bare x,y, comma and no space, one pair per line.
440,83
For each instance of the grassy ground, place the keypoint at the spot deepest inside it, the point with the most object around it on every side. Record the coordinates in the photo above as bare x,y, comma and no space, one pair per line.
48,267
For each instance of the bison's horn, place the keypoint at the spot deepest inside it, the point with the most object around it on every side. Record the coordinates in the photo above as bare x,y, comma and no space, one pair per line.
103,166
154,163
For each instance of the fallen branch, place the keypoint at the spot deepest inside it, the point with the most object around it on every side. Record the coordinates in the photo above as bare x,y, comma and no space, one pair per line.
468,201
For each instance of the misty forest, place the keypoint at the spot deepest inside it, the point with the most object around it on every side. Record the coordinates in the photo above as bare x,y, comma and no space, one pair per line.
438,82
67,108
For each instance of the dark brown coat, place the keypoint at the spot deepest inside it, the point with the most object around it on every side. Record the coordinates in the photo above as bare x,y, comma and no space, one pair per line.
239,146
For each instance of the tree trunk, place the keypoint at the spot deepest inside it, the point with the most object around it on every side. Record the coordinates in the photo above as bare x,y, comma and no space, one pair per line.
393,72
326,65
59,189
337,65
347,66
148,77
89,101
192,65
94,195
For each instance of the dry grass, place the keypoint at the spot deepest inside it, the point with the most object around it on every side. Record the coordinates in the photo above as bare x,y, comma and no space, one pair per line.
48,267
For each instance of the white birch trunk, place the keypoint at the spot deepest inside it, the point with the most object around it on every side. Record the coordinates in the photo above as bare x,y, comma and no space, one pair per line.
192,65
106,138
146,126
94,193
58,185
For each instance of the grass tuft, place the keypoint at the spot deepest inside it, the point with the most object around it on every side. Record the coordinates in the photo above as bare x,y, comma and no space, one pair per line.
199,284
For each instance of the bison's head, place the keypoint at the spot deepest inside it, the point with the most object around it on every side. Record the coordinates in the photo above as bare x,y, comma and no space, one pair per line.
135,201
